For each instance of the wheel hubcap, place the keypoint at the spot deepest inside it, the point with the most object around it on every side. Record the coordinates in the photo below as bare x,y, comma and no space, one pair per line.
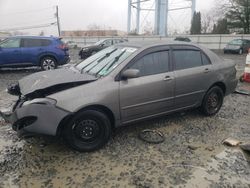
49,64
213,102
86,130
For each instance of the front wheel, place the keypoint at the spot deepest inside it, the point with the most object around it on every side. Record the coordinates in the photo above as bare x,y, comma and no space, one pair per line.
48,63
87,131
212,101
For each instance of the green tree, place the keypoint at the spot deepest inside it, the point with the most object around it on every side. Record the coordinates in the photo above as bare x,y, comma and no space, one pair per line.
221,27
238,14
196,23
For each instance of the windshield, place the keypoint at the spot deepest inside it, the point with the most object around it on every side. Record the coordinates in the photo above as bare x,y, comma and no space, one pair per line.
236,42
103,62
99,42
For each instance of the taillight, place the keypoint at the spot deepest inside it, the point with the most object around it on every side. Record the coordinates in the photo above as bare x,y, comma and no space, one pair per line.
63,47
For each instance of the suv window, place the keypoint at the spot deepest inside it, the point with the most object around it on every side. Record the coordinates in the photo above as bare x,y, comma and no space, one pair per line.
10,43
35,42
185,59
153,63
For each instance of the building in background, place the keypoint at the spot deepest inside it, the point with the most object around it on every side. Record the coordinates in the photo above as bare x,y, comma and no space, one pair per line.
79,33
4,34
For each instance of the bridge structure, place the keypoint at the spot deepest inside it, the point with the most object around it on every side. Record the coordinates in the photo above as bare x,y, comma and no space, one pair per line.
161,10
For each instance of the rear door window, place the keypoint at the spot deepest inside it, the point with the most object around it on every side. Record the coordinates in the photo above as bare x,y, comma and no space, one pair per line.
28,43
185,59
153,63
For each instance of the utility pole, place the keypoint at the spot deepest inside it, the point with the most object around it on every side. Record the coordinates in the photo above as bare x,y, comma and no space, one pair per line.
138,16
129,16
58,21
193,8
161,17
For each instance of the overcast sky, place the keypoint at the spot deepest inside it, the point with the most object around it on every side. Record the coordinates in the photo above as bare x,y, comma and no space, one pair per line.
80,14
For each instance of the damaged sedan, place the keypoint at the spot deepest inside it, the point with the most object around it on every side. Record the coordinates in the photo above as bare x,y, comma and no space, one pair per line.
117,86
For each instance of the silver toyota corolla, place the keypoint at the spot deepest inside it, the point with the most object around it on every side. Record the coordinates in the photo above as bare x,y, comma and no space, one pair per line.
119,85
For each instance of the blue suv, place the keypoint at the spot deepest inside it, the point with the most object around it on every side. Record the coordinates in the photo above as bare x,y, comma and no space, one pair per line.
46,52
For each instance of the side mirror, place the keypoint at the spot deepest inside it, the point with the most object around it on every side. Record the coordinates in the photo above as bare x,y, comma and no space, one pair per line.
102,44
130,73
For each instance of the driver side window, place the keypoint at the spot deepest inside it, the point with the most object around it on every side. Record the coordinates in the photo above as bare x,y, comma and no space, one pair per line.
153,63
11,43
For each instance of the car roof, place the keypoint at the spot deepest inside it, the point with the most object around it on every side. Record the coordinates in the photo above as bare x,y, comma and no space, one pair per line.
142,45
148,44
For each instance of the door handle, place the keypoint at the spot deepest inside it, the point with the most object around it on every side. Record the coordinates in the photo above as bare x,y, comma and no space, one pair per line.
168,78
207,70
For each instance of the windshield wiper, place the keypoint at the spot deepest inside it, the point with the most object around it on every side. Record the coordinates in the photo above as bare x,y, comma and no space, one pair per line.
111,64
106,55
100,60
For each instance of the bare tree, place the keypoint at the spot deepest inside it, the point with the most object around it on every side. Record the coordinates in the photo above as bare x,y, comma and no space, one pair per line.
207,21
94,27
148,29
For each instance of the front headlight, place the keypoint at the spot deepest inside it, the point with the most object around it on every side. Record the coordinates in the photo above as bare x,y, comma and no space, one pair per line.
42,101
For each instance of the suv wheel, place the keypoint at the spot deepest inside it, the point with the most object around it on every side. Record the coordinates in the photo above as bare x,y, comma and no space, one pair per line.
48,63
212,101
87,131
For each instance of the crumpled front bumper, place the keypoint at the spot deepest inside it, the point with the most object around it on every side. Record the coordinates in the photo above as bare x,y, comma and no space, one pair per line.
35,119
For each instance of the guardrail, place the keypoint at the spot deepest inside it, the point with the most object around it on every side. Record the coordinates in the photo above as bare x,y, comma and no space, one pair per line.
214,42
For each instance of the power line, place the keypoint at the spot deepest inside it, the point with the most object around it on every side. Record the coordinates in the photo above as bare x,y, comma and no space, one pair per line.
29,11
145,17
32,22
30,27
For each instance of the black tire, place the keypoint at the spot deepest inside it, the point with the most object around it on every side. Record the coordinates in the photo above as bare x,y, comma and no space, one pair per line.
48,63
212,101
87,131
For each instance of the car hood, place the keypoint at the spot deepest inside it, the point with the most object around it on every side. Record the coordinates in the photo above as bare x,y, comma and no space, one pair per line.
49,82
90,46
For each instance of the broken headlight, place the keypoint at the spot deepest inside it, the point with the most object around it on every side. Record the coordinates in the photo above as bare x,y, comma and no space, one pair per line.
42,101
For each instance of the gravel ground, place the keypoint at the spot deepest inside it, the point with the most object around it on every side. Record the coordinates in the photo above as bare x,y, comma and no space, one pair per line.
192,154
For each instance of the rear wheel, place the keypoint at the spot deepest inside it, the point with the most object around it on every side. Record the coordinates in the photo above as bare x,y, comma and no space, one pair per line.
48,63
88,131
212,101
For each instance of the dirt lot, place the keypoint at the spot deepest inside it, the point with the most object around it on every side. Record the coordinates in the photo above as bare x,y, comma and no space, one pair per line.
191,156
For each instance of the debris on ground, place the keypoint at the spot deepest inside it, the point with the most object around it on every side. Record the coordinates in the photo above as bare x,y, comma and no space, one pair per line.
193,147
231,142
242,92
151,136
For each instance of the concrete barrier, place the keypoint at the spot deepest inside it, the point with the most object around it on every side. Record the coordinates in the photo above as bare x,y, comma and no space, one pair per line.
214,42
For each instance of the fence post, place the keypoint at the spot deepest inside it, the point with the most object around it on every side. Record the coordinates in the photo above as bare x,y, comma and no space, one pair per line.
220,43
